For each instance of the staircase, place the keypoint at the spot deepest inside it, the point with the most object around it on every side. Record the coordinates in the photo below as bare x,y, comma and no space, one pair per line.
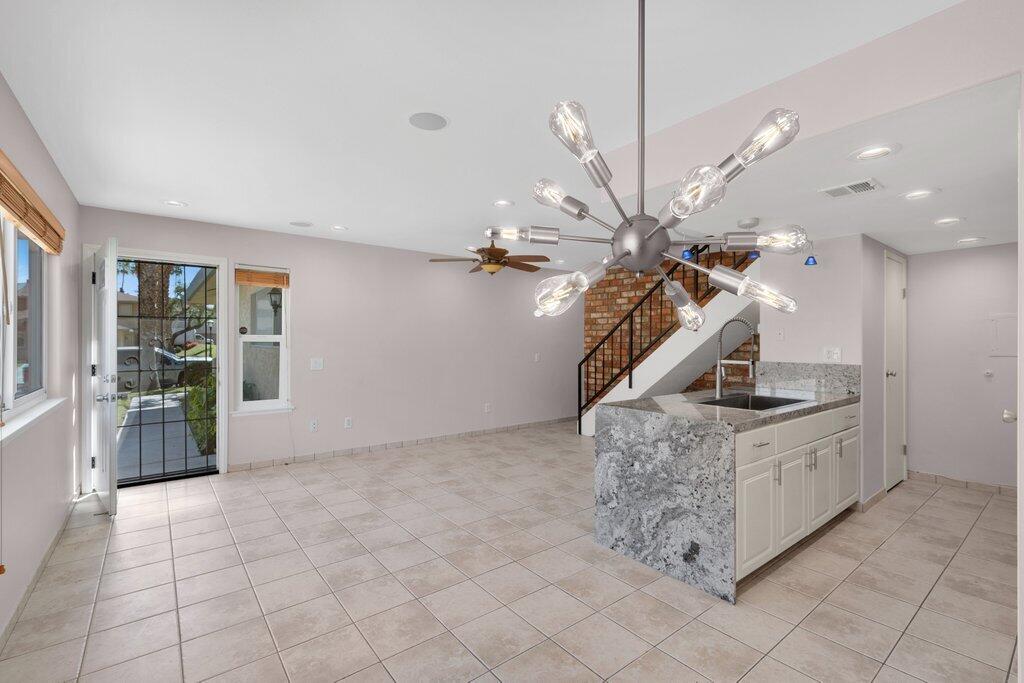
609,370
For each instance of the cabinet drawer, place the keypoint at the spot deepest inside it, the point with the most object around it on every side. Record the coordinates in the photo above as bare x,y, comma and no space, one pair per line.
754,445
804,430
846,417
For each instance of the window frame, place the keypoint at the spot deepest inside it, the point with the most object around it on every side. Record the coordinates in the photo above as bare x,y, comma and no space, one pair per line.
13,406
283,401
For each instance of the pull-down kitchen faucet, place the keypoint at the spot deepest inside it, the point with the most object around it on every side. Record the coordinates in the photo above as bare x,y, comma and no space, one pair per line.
720,371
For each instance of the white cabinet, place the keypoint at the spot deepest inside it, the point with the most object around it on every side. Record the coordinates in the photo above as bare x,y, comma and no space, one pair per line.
791,505
820,499
782,498
847,466
755,518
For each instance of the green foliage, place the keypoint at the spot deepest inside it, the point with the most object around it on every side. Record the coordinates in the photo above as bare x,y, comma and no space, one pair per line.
200,401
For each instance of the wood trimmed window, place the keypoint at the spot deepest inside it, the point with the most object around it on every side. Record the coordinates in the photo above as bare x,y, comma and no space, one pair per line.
24,207
263,313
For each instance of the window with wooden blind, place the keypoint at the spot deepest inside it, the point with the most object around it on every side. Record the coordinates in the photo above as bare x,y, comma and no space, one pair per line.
263,375
28,233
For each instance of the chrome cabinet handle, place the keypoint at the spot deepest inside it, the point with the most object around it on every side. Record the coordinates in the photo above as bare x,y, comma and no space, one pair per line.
762,444
1009,416
839,447
778,477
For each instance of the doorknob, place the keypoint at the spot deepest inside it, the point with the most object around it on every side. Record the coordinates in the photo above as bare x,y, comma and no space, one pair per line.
1009,416
103,398
890,373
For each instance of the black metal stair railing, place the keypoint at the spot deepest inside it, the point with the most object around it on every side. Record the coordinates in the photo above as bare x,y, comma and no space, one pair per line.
642,328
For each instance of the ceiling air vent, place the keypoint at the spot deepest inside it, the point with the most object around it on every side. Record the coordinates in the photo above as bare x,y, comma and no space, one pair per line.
859,187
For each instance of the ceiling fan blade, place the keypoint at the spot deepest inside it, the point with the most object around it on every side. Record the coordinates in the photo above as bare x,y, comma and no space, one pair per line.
476,268
521,266
537,258
449,260
474,250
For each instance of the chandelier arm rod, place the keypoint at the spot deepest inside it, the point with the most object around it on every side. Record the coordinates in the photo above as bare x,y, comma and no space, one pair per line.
618,207
664,275
640,108
690,264
583,238
706,240
607,226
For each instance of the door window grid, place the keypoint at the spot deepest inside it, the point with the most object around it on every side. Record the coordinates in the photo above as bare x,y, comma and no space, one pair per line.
166,365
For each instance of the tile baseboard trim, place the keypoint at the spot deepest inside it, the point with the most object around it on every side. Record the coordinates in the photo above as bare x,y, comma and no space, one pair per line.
872,501
999,489
9,627
327,455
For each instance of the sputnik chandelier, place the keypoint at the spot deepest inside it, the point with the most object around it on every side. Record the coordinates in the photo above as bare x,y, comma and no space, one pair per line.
640,243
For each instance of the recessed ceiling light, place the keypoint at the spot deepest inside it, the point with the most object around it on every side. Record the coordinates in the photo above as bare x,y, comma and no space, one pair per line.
948,221
969,240
301,224
874,152
504,203
919,194
338,227
175,203
559,261
426,120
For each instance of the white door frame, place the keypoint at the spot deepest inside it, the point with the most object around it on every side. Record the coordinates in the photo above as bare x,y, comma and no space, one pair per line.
902,378
223,354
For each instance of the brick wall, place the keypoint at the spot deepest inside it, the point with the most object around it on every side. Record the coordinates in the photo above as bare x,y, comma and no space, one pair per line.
608,301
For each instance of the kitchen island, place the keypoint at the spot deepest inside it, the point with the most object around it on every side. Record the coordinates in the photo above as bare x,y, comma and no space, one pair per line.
708,493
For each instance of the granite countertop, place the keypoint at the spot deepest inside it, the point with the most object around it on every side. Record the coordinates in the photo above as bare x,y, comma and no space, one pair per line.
741,420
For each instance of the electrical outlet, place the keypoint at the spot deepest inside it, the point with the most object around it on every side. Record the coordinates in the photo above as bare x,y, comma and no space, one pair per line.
536,358
832,354
348,423
313,425
316,363
487,407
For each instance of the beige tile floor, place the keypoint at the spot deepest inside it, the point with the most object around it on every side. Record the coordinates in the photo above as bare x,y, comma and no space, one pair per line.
471,559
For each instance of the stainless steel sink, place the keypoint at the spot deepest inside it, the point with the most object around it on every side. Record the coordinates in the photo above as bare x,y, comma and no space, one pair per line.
752,401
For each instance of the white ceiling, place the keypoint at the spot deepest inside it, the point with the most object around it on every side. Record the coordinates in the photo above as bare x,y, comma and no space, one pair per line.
964,144
258,113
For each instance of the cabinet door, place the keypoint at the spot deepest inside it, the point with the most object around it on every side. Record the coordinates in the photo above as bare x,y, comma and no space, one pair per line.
847,467
755,508
791,507
820,499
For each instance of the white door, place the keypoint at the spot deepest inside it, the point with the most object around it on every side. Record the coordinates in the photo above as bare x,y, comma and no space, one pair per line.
105,330
791,508
847,465
895,369
819,493
755,514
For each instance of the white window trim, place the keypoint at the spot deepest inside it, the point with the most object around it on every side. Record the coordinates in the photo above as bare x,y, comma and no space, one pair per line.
20,405
275,405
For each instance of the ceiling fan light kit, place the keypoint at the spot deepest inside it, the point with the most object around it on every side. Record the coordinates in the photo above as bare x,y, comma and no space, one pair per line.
492,259
640,243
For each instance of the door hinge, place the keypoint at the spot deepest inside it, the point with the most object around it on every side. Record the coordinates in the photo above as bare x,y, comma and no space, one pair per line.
904,449
904,293
94,462
92,370
94,277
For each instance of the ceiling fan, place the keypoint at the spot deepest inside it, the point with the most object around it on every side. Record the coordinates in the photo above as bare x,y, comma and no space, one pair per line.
492,259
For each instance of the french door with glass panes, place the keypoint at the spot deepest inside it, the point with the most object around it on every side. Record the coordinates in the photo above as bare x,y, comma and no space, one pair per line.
166,370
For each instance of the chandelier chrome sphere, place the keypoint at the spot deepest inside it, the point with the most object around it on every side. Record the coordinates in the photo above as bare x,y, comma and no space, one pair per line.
640,243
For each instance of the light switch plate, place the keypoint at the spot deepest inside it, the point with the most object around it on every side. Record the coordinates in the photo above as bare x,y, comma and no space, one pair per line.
780,334
316,363
536,358
832,354
348,423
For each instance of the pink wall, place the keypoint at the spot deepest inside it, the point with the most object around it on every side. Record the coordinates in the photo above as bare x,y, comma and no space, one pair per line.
39,461
951,297
411,349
